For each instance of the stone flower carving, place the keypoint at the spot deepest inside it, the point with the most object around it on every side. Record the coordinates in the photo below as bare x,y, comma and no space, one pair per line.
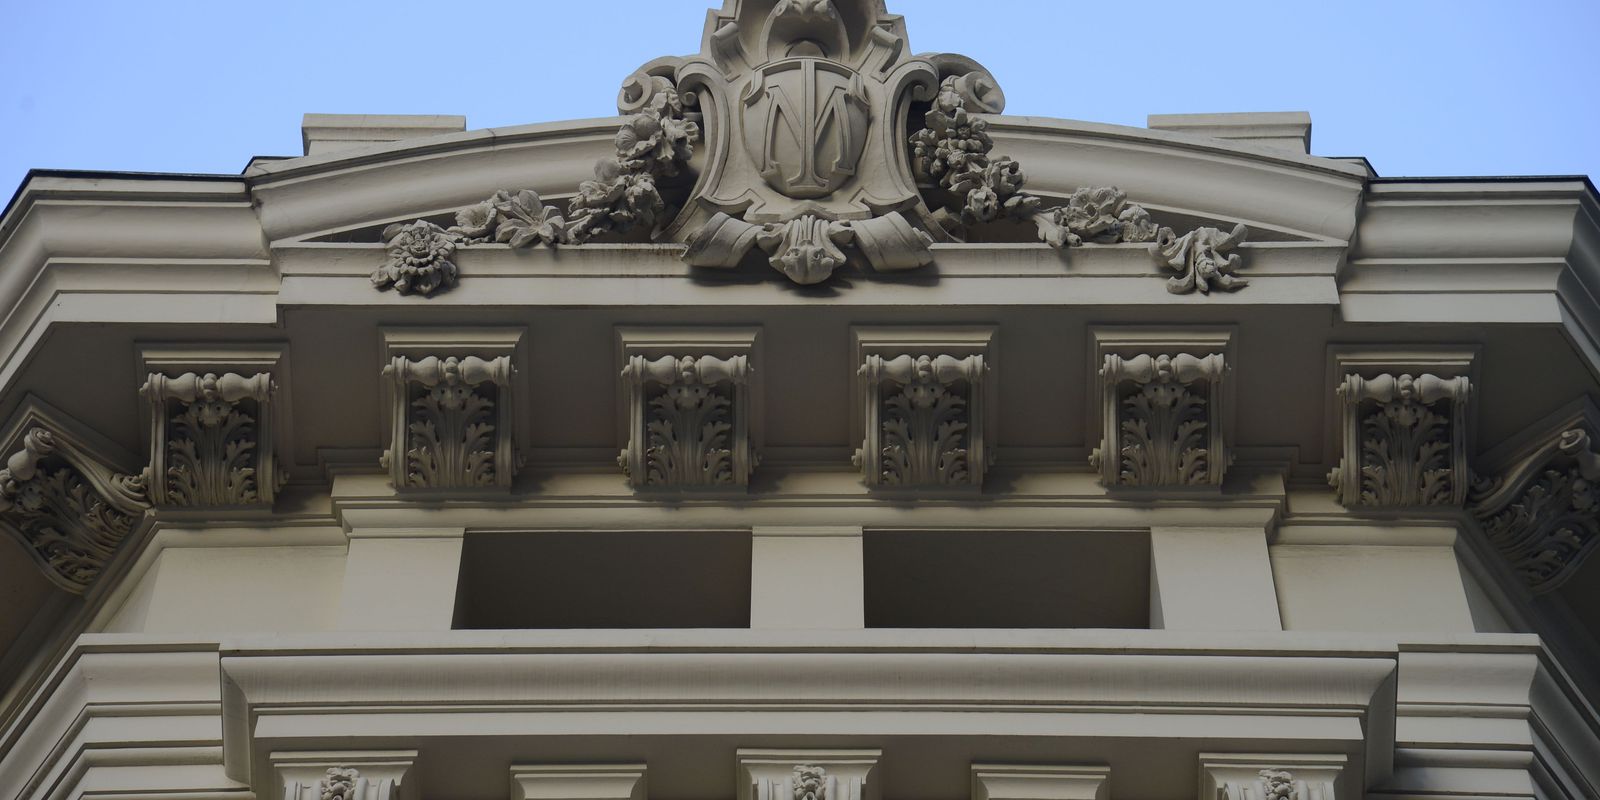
1101,215
1203,259
953,151
1544,514
419,259
1403,439
657,142
70,512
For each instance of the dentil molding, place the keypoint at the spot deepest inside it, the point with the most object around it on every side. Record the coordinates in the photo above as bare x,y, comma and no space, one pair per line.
451,408
63,497
688,405
926,406
1165,406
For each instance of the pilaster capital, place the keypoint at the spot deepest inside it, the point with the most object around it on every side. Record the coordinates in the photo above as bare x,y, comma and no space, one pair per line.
808,774
345,775
578,782
1040,782
1251,776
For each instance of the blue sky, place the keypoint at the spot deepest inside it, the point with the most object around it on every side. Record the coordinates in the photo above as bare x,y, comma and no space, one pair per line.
1419,87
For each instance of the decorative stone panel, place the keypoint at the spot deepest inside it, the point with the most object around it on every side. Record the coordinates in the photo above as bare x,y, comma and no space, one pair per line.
1229,776
1404,441
687,396
808,774
1165,407
925,416
1040,782
578,782
218,424
355,775
451,408
211,440
63,499
1542,512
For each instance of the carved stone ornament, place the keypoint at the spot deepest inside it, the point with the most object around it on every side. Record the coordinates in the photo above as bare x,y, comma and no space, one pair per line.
211,440
688,422
825,144
1272,777
1161,419
1543,515
371,775
807,774
1404,441
69,511
924,422
452,423
1203,258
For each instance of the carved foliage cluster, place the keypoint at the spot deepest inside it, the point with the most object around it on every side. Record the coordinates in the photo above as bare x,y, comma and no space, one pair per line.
923,410
810,783
655,143
1163,418
690,416
419,262
215,451
453,436
954,152
339,784
70,512
1544,514
1203,258
1402,441
1278,784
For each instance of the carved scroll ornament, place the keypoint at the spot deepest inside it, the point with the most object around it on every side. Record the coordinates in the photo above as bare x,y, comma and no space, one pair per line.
924,418
452,423
211,440
1543,515
688,421
69,511
1404,441
1162,426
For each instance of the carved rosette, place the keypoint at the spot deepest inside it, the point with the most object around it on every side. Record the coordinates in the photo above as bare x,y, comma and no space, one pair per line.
211,440
688,422
452,423
924,422
1404,441
1543,515
69,510
1162,421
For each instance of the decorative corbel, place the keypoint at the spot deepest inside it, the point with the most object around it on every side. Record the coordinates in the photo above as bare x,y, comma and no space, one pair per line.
1543,514
924,421
451,423
808,774
211,440
688,422
366,775
68,508
1162,420
1404,441
1231,776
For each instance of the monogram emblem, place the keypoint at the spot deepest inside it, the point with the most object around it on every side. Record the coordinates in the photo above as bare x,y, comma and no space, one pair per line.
806,122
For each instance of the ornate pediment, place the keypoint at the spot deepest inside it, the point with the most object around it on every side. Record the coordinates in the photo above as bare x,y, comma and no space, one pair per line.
807,130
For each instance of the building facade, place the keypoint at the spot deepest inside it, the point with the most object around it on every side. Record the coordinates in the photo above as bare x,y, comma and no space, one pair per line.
811,430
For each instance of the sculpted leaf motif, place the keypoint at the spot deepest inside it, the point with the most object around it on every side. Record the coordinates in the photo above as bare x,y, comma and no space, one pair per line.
211,456
1164,428
924,435
1405,455
689,434
451,442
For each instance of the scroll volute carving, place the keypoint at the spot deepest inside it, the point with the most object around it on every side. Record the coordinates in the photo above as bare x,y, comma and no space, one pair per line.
1543,513
1404,441
68,508
924,421
1163,420
688,422
211,440
451,423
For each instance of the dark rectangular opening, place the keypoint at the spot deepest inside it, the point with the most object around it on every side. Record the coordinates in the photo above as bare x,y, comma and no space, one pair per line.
1007,579
663,579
